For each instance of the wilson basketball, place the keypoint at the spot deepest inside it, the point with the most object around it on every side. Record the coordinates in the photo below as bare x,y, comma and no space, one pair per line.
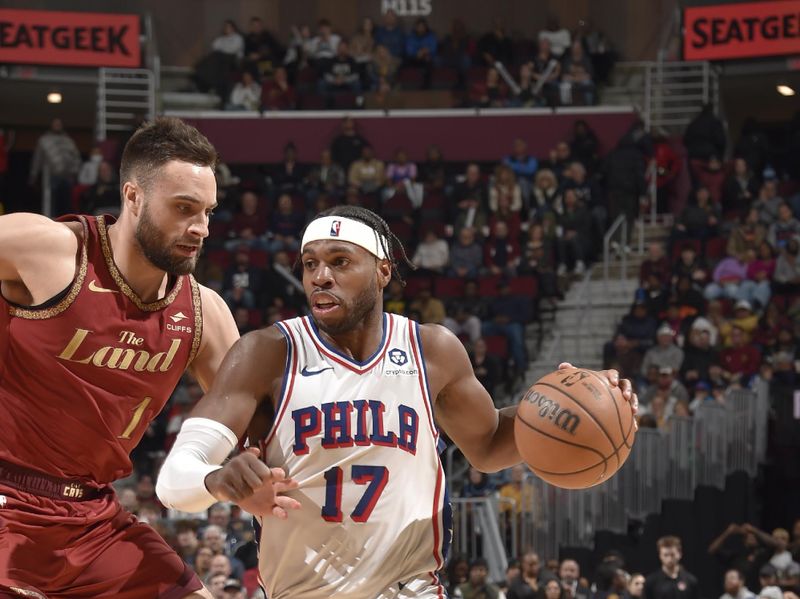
573,429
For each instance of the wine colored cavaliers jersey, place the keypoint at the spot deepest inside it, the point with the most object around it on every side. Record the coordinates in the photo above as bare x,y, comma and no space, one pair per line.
360,439
82,376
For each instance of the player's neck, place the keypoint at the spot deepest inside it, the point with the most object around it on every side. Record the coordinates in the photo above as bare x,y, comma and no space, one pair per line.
363,340
146,281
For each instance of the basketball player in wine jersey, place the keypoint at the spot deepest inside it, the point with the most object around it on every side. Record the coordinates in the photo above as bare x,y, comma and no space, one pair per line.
349,402
98,321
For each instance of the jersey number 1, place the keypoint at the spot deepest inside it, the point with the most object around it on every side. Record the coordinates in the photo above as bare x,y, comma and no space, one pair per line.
375,477
138,411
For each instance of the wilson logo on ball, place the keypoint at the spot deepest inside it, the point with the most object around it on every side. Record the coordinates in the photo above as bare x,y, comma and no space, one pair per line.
552,410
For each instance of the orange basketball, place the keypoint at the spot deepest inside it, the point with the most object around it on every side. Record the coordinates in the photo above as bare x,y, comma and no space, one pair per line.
573,429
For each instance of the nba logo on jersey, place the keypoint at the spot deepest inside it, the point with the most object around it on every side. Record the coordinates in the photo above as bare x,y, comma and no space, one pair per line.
335,226
398,356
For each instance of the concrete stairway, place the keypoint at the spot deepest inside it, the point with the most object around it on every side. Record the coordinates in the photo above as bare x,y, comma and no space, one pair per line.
587,317
175,81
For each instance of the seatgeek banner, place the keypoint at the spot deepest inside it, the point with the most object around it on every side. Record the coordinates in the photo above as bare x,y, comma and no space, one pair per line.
746,30
69,38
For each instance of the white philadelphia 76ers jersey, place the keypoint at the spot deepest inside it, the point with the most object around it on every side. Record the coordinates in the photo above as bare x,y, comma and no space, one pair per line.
360,440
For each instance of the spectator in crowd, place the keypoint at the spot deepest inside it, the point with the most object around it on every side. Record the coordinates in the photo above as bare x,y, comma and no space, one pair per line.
699,355
636,586
466,312
288,175
262,51
559,37
456,49
347,146
324,45
668,167
625,174
735,587
431,309
401,175
767,577
739,189
214,70
390,35
690,266
421,46
783,229
187,540
246,94
570,573
672,580
432,254
505,186
667,387
700,218
501,252
457,573
748,234
575,231
753,145
705,136
760,270
202,561
490,93
367,174
546,194
741,360
248,225
244,275
432,172
523,165
299,50
496,46
89,169
487,367
469,198
584,144
638,326
532,578
285,226
778,543
383,70
787,269
477,585
362,47
664,354
216,585
103,196
328,177
341,73
728,276
611,581
394,299
553,590
546,72
656,264
577,76
277,93
233,589
57,155
508,315
621,354
768,203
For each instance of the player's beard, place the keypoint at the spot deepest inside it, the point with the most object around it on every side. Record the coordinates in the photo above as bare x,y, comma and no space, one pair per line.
157,248
356,313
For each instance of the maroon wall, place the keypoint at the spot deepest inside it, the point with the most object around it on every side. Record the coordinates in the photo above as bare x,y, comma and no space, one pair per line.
461,136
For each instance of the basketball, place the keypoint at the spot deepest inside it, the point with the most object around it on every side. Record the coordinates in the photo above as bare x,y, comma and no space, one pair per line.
573,429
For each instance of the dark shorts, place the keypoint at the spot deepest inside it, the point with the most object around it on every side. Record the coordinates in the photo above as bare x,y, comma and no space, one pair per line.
64,549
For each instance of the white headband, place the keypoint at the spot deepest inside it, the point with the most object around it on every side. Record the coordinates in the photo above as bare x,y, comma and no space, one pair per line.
345,229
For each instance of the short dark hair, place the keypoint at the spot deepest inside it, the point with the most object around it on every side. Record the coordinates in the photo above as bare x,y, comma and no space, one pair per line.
479,562
377,224
160,141
670,542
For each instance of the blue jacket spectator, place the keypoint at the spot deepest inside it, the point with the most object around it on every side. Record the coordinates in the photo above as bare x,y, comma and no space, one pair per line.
391,35
421,43
523,164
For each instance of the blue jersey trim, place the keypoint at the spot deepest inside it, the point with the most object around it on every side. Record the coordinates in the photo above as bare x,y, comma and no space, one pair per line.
287,368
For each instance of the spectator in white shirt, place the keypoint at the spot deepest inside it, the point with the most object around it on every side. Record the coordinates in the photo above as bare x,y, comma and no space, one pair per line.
230,42
246,95
432,253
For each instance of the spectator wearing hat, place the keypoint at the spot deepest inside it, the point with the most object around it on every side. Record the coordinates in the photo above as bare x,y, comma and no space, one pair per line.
744,318
665,353
786,227
638,326
767,574
790,579
232,589
477,585
735,587
771,592
667,386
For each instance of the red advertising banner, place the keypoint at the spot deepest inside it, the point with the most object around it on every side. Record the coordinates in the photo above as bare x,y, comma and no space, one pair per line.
69,38
742,30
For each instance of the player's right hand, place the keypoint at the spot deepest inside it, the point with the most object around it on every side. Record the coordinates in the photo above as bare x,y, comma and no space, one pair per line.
251,484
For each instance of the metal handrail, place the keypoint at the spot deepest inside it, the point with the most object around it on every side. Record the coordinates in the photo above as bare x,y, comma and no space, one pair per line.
620,222
584,299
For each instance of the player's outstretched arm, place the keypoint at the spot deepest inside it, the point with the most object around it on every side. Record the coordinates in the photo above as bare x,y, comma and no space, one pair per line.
34,248
191,478
463,408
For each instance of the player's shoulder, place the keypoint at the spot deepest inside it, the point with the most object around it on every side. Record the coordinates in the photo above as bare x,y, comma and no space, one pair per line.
438,342
39,230
266,346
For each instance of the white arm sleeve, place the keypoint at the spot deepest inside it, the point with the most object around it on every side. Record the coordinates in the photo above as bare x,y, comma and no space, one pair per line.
201,446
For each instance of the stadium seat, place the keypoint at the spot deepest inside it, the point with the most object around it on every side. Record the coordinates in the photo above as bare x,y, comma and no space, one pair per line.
476,75
416,284
312,102
487,286
397,206
448,287
444,78
255,318
221,258
715,248
497,345
527,286
678,247
306,79
344,100
411,78
259,258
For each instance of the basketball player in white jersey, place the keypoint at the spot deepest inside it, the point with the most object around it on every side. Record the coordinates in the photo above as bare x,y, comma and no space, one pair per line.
346,403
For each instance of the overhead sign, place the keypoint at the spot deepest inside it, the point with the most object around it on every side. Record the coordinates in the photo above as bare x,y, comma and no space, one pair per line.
741,30
408,8
69,38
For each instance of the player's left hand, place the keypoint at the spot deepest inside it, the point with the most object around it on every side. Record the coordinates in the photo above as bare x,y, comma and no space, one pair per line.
624,384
